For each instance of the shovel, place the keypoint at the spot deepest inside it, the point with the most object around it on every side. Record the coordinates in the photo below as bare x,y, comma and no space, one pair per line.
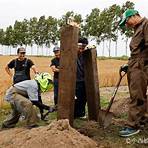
105,116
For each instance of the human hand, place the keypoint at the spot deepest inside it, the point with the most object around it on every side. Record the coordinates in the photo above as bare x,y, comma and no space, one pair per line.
90,47
124,68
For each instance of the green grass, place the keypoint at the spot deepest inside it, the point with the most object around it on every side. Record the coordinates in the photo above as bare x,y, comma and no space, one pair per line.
104,102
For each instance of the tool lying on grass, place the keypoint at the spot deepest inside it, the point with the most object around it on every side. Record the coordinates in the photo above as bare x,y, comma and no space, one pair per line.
105,116
43,116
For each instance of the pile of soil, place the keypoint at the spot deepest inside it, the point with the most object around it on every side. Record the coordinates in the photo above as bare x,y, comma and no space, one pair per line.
59,134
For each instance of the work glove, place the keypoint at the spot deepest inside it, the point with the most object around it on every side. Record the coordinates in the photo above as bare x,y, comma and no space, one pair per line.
90,47
124,68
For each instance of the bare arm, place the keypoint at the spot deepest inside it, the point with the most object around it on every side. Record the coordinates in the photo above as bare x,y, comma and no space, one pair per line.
34,69
54,69
7,69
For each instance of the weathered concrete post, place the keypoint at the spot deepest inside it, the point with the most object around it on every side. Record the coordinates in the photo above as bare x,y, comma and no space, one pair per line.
67,75
92,83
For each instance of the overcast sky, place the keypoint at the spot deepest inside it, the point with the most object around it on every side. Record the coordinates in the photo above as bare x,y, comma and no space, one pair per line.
11,10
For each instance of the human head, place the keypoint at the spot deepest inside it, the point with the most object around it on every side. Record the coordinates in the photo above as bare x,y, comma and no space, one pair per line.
21,53
56,51
130,18
82,43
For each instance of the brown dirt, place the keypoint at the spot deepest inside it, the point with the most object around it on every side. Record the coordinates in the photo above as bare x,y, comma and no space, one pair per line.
59,134
121,101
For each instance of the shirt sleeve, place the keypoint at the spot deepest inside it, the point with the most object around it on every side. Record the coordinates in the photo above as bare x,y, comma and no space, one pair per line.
52,62
33,93
30,63
11,64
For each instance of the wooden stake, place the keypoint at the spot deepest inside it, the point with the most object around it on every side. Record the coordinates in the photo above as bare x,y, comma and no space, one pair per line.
92,83
67,74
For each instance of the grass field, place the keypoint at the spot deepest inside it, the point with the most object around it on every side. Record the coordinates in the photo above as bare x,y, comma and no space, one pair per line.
107,70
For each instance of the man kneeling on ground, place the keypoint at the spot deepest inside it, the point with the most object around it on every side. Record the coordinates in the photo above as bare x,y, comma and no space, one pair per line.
22,96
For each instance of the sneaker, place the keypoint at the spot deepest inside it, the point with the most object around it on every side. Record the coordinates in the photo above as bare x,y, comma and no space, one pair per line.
126,132
51,109
84,117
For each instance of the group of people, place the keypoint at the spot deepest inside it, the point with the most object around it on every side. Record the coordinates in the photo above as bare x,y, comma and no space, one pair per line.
24,94
80,93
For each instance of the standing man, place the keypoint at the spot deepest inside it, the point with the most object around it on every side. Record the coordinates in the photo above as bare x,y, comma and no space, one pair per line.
80,101
21,66
55,69
137,73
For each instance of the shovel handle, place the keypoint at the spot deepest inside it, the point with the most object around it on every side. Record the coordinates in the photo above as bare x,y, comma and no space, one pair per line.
121,74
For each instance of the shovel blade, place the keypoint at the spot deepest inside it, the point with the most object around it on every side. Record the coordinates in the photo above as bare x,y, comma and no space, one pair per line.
105,118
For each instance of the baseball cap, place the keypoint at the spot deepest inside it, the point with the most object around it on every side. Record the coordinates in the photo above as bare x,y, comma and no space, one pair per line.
56,48
21,50
126,15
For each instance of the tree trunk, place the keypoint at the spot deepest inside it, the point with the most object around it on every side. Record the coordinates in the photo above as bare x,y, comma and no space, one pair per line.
103,48
10,50
109,48
126,41
42,48
116,43
47,54
37,50
31,49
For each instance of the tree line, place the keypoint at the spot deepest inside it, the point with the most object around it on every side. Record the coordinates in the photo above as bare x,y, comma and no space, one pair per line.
101,26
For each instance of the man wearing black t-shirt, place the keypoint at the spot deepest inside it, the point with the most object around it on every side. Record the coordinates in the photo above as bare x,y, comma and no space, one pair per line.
21,67
55,68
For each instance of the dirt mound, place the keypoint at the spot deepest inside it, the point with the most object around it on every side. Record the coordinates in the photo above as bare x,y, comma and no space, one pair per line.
59,134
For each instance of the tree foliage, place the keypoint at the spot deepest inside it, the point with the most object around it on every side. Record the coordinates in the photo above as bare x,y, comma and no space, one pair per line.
99,25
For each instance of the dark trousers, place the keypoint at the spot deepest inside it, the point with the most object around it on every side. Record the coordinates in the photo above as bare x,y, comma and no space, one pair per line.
56,87
137,81
80,101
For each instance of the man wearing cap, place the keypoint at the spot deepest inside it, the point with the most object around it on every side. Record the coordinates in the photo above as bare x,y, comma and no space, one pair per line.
137,72
21,67
55,62
23,95
80,101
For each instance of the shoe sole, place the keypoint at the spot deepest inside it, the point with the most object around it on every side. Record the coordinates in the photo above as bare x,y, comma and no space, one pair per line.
131,134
